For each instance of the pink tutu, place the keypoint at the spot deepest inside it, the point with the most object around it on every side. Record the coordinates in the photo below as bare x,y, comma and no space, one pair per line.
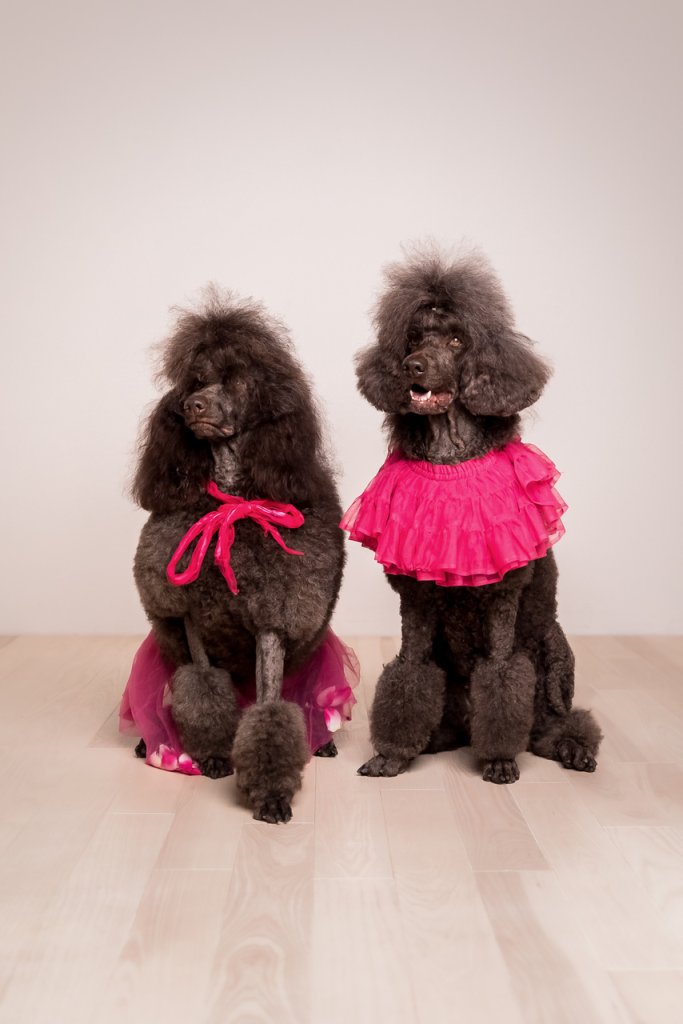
322,686
464,525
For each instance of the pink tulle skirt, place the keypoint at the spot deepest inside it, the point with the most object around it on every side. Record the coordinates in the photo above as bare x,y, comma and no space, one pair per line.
322,686
460,526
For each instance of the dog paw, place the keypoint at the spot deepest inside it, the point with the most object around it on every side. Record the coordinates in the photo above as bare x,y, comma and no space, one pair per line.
141,749
384,766
328,749
216,767
501,771
274,810
573,754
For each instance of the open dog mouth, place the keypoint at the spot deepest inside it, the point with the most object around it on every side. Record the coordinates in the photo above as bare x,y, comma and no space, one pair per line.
424,401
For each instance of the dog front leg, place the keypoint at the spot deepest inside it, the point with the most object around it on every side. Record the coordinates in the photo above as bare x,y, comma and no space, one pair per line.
502,690
270,748
204,708
409,698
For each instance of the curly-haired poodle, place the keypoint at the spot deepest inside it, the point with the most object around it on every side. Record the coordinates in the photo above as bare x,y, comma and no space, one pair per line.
238,417
483,659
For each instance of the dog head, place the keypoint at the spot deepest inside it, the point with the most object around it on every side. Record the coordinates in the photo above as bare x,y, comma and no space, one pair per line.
231,368
233,379
445,334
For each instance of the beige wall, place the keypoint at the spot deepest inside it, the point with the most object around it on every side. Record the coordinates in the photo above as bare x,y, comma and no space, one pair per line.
287,150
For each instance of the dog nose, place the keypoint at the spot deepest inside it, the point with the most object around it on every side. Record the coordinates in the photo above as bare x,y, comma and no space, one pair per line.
194,406
414,365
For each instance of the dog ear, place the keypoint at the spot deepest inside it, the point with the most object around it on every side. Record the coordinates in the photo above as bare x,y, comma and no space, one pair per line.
500,376
174,466
380,377
281,461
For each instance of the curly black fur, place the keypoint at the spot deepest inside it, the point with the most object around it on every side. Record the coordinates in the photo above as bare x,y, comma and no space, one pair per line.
487,665
239,411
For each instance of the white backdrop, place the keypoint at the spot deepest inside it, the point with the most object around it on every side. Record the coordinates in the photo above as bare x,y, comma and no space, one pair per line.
286,150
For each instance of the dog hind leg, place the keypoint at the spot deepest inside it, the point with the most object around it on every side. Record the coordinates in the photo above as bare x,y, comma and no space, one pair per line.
204,709
558,666
573,739
560,733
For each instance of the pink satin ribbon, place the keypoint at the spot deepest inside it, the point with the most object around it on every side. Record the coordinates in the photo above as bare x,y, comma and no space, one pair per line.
221,521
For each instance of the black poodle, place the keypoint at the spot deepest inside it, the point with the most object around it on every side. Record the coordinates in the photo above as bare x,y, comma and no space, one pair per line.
239,414
482,664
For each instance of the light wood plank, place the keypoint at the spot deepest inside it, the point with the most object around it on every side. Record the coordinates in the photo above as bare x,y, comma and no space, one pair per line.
494,831
109,735
206,829
652,997
71,679
449,940
360,967
68,959
663,651
146,790
261,965
31,785
615,914
632,794
209,819
653,732
303,804
620,744
350,837
554,975
63,813
656,857
162,972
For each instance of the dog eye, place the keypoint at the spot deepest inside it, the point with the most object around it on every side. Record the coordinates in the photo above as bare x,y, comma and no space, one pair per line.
455,343
198,383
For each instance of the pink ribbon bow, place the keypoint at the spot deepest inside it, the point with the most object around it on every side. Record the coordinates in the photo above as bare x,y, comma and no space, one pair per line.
222,520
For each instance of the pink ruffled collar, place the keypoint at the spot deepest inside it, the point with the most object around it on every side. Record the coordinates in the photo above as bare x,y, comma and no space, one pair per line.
462,525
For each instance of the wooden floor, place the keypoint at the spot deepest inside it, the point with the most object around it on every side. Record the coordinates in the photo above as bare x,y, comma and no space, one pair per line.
131,894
